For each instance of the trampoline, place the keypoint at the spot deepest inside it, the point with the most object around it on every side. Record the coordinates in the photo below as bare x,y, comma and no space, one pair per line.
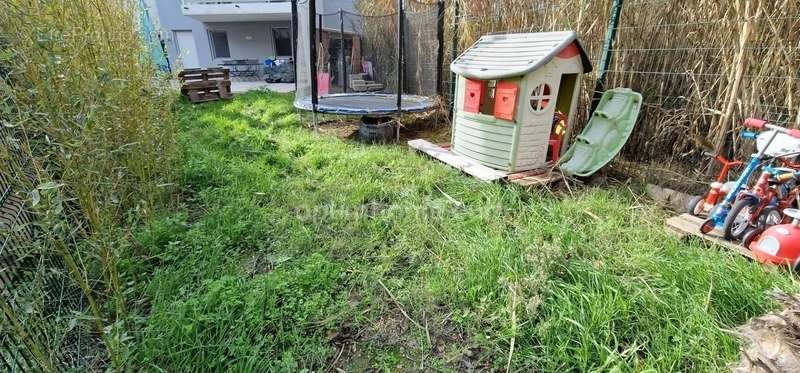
349,63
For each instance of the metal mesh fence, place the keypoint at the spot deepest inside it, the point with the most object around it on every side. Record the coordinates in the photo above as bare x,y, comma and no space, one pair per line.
703,72
421,49
41,304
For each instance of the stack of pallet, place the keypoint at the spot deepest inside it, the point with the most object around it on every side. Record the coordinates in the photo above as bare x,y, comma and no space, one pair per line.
201,85
359,84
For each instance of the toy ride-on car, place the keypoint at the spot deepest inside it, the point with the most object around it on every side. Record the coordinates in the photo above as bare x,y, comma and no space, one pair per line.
778,244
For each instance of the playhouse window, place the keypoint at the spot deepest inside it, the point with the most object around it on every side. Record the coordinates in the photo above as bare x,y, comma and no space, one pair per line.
491,86
540,97
488,104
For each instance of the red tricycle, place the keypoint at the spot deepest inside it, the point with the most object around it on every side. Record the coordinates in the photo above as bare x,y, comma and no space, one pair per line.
763,205
702,205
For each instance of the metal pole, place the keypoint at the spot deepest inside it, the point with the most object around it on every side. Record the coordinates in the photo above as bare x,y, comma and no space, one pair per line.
312,31
400,62
454,54
439,45
294,41
319,28
166,55
341,51
608,53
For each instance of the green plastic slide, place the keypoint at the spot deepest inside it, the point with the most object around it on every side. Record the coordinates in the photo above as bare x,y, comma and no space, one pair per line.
608,130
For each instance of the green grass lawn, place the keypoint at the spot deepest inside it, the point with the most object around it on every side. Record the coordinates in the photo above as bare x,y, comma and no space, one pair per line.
294,251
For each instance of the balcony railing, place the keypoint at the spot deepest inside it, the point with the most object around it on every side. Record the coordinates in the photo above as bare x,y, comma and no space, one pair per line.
192,2
237,10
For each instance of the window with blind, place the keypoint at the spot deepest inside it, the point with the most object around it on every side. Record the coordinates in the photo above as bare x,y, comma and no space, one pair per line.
219,44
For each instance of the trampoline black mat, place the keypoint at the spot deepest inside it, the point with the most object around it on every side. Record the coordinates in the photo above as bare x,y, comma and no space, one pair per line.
366,103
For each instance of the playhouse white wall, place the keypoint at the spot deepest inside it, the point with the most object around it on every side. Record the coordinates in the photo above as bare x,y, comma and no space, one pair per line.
535,127
460,92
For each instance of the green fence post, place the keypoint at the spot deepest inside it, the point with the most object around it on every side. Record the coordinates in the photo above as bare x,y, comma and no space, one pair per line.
454,54
607,55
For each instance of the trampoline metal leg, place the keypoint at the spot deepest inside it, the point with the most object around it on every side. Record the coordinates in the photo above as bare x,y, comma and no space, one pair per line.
316,127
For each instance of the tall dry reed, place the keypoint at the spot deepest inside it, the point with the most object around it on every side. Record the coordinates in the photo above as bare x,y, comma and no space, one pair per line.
704,67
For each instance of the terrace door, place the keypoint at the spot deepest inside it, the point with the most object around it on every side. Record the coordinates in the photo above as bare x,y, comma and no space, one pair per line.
187,49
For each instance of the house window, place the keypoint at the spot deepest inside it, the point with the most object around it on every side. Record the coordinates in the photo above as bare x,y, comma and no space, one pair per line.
219,44
540,97
282,39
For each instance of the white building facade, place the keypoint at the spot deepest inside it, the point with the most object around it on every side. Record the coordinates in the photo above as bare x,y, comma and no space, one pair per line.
204,33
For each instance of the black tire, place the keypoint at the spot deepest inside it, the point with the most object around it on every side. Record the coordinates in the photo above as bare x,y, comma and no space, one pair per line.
735,224
707,226
695,205
769,216
751,236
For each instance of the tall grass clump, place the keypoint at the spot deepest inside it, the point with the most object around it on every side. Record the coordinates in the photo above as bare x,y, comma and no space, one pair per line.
91,122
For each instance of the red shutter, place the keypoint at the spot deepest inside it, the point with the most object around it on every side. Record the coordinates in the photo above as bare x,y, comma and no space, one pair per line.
473,97
505,100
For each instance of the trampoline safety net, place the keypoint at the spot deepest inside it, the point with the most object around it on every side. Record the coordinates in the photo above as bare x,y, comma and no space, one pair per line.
350,63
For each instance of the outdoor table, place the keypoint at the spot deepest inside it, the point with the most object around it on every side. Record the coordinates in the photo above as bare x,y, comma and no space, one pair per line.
242,67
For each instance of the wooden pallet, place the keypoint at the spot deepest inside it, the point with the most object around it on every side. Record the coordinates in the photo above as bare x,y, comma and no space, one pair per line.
442,153
540,177
203,85
688,225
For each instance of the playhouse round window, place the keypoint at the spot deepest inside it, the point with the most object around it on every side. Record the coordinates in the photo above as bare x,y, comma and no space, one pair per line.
540,97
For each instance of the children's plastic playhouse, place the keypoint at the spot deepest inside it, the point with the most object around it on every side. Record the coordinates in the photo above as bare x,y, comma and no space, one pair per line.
516,96
515,103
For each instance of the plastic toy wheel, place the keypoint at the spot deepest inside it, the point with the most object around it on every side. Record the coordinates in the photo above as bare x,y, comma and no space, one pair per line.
769,216
738,219
707,226
792,213
695,205
750,236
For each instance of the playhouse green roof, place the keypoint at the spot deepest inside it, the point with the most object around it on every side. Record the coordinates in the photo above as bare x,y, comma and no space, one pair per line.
498,56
